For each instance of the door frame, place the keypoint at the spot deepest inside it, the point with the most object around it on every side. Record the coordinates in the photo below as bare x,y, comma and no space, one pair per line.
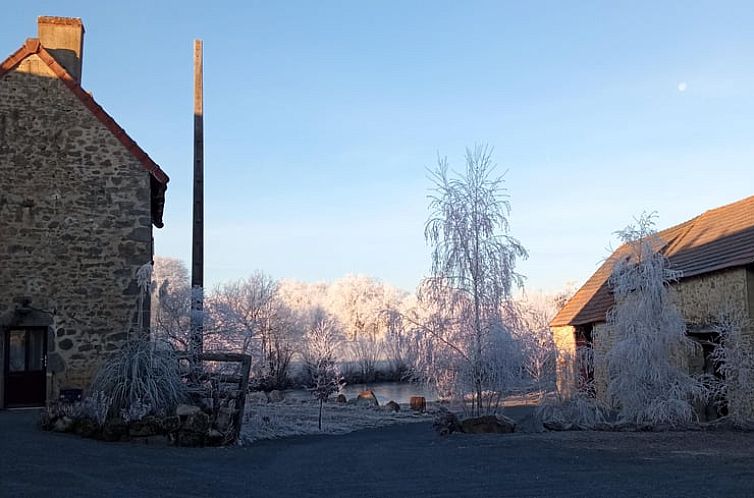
6,332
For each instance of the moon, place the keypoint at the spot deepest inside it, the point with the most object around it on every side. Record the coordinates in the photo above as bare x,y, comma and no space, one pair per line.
682,86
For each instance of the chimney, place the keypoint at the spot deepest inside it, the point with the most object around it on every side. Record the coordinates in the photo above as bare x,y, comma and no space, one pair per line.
63,37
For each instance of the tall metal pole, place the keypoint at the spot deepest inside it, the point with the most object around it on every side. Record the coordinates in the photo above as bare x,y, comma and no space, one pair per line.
196,343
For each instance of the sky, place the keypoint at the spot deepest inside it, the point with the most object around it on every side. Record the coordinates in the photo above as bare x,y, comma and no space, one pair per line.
323,118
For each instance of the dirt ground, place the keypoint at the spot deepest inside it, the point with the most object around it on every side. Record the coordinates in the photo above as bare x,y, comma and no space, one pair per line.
401,460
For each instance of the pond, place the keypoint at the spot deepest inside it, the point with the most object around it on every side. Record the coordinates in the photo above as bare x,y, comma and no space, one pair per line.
400,392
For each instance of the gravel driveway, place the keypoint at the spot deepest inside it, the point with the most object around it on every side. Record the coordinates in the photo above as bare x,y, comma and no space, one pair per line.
407,460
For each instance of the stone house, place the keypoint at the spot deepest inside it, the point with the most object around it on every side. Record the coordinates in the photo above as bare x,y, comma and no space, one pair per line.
714,253
78,200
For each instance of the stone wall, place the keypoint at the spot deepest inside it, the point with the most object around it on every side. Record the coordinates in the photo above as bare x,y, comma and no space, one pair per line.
565,368
701,299
75,223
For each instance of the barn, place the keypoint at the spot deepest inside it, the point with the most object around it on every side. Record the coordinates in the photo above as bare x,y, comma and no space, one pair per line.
714,253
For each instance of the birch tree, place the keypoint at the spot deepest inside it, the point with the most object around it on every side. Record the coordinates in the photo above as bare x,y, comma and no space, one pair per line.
466,342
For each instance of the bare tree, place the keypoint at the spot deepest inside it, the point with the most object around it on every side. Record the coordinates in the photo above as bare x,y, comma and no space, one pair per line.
465,342
171,301
530,318
254,320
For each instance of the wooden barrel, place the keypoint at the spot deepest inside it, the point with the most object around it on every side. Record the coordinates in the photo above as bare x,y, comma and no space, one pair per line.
418,403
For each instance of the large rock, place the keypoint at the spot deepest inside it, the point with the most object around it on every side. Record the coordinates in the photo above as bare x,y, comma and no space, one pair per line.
488,424
446,422
148,426
367,398
187,410
276,396
198,422
392,406
170,424
341,398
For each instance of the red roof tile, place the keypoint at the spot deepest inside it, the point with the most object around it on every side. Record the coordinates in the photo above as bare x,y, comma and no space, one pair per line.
718,239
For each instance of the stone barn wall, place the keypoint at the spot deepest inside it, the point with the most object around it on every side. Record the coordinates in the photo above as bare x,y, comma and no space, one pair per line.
565,368
75,223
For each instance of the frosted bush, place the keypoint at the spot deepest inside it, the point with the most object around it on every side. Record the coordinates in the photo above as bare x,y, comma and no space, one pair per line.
141,374
733,358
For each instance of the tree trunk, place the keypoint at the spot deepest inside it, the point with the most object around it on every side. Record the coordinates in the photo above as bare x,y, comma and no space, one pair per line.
321,402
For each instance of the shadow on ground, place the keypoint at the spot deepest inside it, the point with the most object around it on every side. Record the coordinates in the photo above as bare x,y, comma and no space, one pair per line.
406,460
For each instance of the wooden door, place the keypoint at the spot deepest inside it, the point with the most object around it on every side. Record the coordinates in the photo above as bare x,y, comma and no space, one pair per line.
25,367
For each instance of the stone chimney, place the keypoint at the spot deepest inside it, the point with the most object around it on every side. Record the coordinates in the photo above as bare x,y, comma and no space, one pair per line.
63,37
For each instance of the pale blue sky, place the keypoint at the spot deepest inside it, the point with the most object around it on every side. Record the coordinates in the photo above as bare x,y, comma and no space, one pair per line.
322,117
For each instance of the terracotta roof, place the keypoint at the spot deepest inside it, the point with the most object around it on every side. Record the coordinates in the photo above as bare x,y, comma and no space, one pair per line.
32,47
718,239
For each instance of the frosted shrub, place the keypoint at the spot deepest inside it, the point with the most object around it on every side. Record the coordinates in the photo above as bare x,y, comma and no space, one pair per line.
733,358
140,374
135,412
647,380
578,410
96,407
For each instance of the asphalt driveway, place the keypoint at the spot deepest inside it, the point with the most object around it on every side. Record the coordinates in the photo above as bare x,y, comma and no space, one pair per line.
408,460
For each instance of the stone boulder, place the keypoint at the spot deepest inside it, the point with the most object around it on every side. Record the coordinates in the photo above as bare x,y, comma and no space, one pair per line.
341,399
276,396
148,426
488,424
63,424
392,406
170,424
367,398
115,429
198,422
215,438
87,427
187,410
446,422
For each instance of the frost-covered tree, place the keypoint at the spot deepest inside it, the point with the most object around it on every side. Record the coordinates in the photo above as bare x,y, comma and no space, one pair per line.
732,389
530,317
647,379
254,320
464,342
171,301
321,345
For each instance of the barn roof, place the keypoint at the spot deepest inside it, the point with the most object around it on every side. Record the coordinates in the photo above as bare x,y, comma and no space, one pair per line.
159,178
715,240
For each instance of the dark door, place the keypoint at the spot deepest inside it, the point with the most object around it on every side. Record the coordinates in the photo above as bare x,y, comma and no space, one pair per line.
25,367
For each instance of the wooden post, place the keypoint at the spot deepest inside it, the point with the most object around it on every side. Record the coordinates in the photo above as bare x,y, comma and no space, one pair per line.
196,342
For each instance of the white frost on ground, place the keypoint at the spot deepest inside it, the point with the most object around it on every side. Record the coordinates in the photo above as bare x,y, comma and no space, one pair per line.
298,418
295,417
